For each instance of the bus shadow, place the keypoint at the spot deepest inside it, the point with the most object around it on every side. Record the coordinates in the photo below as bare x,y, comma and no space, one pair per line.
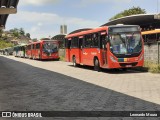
47,60
111,71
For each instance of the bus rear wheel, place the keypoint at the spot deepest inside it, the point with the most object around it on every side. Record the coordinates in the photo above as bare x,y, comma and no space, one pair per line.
74,62
96,65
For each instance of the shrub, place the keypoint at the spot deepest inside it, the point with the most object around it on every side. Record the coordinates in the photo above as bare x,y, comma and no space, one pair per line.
62,58
153,67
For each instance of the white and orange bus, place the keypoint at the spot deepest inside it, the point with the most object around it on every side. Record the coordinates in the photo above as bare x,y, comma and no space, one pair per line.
118,46
44,49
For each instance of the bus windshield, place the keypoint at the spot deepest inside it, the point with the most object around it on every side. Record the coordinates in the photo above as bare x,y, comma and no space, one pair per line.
50,47
125,43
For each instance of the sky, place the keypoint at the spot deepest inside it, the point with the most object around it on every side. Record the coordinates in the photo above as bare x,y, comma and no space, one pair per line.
42,18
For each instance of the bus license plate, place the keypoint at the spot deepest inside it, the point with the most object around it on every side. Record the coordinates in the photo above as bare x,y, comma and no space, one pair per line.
128,65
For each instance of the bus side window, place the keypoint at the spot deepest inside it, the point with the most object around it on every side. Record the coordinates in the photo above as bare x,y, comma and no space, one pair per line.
74,42
80,45
67,43
95,40
38,46
32,46
87,41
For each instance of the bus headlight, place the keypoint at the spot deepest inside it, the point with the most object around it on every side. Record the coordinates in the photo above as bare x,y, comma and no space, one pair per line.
141,57
113,59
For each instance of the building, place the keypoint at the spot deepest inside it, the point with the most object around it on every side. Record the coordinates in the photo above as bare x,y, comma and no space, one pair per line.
63,29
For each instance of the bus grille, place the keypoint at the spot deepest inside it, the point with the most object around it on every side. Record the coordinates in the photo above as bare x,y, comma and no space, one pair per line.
125,64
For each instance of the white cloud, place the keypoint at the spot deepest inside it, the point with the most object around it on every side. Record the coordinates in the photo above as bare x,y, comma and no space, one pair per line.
38,2
84,3
45,24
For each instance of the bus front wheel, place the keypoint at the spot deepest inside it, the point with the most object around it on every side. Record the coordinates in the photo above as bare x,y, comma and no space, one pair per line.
96,65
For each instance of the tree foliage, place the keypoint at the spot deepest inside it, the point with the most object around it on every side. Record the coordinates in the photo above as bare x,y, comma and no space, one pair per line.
28,35
131,11
17,32
4,44
21,31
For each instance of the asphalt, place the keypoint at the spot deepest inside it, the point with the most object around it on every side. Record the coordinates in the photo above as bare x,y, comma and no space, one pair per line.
27,88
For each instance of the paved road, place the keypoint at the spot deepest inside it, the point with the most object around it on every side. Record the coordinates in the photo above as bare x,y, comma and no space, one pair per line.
54,85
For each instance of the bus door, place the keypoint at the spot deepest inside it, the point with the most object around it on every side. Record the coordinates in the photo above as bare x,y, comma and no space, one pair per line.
80,45
103,36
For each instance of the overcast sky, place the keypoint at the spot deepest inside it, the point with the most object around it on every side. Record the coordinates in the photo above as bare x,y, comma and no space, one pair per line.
42,18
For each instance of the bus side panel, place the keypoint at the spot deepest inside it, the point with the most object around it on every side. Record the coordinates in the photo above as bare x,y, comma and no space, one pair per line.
37,53
41,51
67,55
75,52
33,53
29,53
89,54
101,58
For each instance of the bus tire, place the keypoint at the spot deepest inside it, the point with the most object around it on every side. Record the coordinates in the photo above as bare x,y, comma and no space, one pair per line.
96,65
74,62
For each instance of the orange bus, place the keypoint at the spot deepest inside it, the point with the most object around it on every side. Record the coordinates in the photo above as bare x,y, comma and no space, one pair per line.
117,46
44,49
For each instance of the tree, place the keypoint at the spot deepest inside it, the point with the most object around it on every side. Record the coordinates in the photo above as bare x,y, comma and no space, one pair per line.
21,31
131,11
15,32
5,44
28,35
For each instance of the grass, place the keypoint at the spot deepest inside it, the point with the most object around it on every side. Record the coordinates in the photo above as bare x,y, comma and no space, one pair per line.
62,58
152,67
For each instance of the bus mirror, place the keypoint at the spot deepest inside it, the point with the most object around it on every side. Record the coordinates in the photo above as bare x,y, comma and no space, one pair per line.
81,47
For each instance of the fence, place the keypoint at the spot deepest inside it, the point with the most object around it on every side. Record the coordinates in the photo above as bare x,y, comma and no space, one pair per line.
152,53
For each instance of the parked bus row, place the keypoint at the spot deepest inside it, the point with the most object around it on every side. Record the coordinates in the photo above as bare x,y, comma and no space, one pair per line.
117,46
7,51
44,49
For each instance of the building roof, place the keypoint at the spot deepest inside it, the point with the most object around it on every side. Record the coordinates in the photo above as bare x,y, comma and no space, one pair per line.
59,37
7,7
144,20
